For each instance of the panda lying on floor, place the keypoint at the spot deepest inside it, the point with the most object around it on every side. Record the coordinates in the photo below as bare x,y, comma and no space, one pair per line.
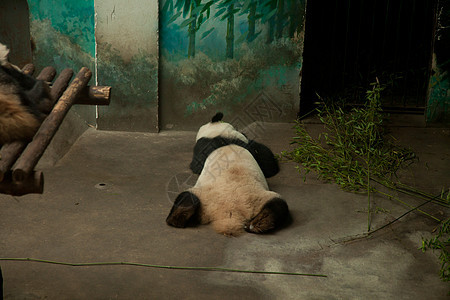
20,96
231,192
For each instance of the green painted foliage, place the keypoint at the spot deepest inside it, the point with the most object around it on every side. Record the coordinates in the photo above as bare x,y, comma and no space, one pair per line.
274,14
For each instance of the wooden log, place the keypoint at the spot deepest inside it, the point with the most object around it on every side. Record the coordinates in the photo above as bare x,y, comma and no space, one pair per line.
95,95
8,155
47,74
28,69
90,95
34,184
10,152
33,152
61,83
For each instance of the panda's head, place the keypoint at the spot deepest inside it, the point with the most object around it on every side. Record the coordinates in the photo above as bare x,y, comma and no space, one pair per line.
217,128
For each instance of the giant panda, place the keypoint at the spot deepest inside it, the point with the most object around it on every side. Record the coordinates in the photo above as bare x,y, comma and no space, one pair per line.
20,96
231,192
215,135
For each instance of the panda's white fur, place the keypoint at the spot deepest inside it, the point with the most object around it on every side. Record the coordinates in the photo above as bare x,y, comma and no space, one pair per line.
225,130
19,118
16,122
231,192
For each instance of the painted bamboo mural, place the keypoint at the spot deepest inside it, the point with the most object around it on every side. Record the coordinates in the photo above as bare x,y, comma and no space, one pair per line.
251,4
220,54
278,18
198,13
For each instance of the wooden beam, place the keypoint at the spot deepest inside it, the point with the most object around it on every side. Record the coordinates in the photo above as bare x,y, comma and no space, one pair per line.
94,95
8,155
34,184
47,74
28,69
33,152
60,85
10,152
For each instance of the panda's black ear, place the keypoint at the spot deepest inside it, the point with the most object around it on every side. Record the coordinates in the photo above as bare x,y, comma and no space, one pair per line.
217,117
184,210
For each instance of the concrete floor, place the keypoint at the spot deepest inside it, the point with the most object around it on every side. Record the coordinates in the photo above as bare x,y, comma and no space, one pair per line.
107,199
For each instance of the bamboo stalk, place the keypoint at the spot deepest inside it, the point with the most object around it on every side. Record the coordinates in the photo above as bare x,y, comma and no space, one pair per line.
216,269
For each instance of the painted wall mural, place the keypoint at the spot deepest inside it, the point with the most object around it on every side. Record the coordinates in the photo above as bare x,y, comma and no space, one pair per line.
63,35
229,55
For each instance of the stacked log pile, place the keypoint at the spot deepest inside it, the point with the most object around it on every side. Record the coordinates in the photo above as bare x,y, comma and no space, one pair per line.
18,159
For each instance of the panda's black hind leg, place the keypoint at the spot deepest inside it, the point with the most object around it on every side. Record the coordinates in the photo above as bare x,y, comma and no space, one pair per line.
273,215
184,210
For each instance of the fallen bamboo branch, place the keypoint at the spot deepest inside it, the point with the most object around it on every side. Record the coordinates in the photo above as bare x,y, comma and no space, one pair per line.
364,235
215,269
35,149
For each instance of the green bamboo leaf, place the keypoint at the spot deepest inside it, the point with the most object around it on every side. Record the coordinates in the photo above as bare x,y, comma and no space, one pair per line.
168,6
268,16
187,7
187,22
206,33
221,11
179,4
224,3
246,5
174,17
200,22
225,16
242,38
207,5
258,16
197,10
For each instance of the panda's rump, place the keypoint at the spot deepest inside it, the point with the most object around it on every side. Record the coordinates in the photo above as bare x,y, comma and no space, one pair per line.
232,189
16,122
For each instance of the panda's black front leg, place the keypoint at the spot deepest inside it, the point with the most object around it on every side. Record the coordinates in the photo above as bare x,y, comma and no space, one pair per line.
38,99
274,214
184,210
264,157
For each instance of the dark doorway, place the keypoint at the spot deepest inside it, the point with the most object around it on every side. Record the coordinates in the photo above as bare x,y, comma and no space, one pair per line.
350,43
15,30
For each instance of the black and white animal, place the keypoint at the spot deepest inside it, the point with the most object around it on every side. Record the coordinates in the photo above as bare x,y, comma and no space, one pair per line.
20,96
231,192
